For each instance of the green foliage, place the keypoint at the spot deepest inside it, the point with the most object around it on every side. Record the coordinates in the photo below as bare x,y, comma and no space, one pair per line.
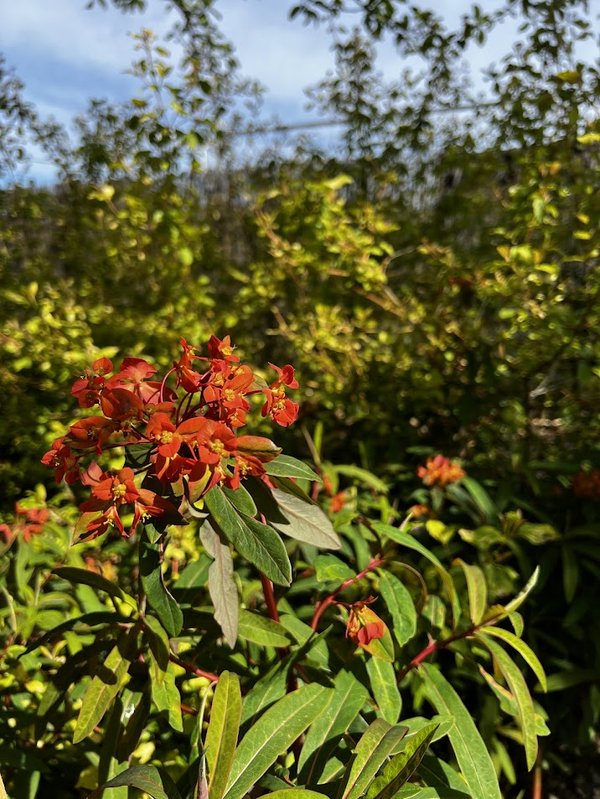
435,285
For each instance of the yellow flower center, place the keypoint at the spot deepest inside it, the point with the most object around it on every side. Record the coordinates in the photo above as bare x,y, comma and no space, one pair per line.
166,437
229,394
217,446
119,490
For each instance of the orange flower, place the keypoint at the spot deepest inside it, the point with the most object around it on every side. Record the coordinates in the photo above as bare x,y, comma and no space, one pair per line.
337,502
440,471
420,511
364,625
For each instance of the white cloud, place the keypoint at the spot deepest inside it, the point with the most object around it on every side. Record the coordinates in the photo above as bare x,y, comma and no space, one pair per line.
65,31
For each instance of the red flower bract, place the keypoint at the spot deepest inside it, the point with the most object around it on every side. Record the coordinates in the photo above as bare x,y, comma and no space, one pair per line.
180,440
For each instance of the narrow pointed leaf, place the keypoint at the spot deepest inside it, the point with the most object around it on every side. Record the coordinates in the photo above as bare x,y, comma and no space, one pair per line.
97,581
410,542
304,522
481,498
264,693
330,568
285,466
363,476
306,636
520,691
166,697
104,687
147,779
221,585
477,590
522,648
293,793
401,766
347,699
160,600
261,630
385,689
516,603
272,734
377,743
241,500
256,542
400,605
471,753
222,734
418,792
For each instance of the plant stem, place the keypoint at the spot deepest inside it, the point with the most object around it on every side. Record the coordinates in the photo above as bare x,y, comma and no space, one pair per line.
269,595
434,646
191,669
325,603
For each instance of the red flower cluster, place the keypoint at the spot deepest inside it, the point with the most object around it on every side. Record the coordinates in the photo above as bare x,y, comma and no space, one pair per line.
29,522
440,471
185,435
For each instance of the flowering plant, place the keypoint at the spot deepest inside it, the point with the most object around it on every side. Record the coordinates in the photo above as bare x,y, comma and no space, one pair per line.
184,458
180,441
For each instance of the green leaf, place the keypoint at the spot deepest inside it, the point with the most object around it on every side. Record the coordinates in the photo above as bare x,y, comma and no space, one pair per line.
471,754
306,636
405,539
304,522
418,792
518,686
266,691
562,680
328,568
158,641
160,600
377,743
147,779
570,568
362,476
256,542
438,774
522,648
400,605
347,699
110,677
194,575
97,581
516,603
293,793
261,630
166,696
477,590
241,500
481,498
222,734
87,621
273,734
385,688
285,466
401,766
221,584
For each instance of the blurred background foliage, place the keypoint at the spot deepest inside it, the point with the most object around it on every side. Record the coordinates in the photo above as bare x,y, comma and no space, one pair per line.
434,278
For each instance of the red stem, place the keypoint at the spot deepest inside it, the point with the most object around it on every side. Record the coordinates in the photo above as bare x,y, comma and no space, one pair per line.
325,603
269,595
191,669
434,646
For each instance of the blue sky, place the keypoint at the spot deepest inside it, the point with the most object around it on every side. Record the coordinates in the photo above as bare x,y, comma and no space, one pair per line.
66,54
